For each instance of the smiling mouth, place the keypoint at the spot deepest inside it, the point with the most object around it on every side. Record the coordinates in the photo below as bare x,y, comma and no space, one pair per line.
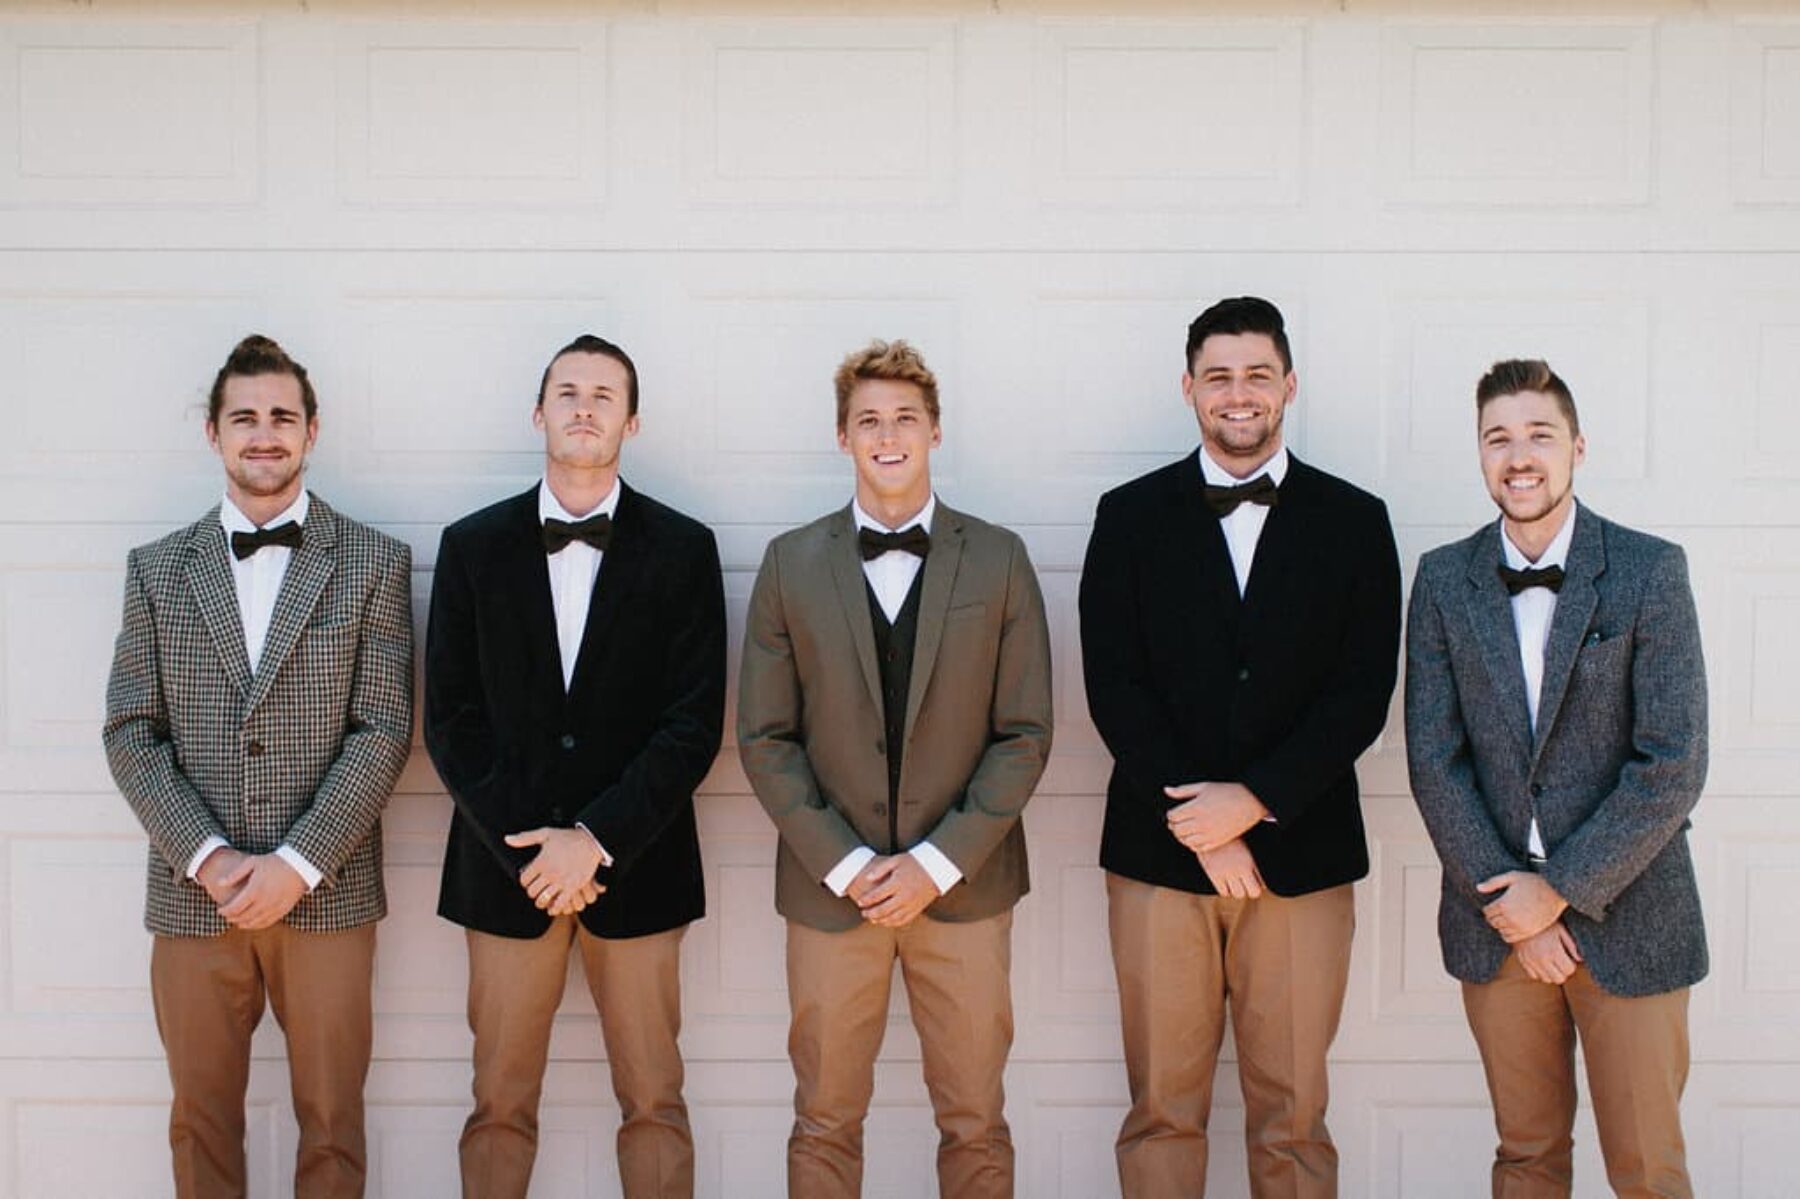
1523,483
889,459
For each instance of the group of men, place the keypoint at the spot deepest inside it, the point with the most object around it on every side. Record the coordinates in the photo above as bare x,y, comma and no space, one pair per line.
1240,628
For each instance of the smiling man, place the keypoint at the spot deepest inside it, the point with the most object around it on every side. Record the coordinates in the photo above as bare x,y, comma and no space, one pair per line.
1240,625
258,714
893,717
1556,735
574,698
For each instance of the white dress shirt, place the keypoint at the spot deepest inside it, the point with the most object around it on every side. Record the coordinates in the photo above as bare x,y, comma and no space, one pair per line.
1243,528
258,579
573,570
890,577
1533,609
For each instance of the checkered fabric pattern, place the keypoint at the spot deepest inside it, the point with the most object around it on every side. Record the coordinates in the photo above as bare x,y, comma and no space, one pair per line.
304,751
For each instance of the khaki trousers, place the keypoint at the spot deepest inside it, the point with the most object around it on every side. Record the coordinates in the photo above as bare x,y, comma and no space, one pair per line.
958,983
209,994
515,986
1637,1062
1282,965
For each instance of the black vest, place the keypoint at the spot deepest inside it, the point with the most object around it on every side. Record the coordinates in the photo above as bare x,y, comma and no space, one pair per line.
894,641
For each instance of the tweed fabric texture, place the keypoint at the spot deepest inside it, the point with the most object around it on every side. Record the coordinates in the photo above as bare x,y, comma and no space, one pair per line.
303,751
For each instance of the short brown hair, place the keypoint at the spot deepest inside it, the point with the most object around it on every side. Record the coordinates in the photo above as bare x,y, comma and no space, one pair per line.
1513,375
895,360
259,355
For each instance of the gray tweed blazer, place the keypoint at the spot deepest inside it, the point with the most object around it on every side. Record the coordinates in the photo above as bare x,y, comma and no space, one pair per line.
303,752
1614,768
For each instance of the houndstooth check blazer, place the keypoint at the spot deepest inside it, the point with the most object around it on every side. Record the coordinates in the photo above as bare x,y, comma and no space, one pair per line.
303,752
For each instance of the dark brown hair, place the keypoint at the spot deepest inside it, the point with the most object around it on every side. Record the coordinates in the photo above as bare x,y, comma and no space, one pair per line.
259,355
1513,375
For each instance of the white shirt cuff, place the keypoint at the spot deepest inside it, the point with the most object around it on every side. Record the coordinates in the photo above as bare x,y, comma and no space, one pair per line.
309,874
845,872
942,870
605,858
204,852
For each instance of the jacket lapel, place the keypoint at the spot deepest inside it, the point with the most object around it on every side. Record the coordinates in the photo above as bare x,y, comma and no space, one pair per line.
1575,604
527,570
215,594
1491,618
853,596
620,568
938,579
308,571
1200,533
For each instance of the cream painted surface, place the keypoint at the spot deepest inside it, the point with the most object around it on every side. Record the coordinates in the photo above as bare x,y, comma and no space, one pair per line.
422,206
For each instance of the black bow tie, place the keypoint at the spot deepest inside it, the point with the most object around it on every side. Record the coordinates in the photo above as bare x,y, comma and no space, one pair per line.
1523,580
244,544
1225,500
873,542
595,531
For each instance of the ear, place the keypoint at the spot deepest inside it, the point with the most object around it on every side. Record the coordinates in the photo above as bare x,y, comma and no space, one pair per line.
212,435
1187,388
537,415
312,431
1580,448
937,435
844,440
630,428
1290,387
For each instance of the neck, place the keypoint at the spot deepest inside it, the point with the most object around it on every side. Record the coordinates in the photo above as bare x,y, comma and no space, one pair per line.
1534,537
261,509
1241,467
580,489
893,511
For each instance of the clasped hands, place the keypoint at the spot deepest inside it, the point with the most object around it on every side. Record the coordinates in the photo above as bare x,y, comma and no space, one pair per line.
892,890
1211,821
1528,916
251,891
560,878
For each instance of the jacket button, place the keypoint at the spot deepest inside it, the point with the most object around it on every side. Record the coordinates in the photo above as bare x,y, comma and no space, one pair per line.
1537,789
881,809
254,749
568,741
1243,674
556,813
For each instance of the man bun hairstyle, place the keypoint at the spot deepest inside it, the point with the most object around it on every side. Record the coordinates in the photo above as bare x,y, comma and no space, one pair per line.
1240,314
1510,376
259,355
895,360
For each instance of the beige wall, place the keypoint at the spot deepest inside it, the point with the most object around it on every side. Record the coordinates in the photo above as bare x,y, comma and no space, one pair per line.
422,200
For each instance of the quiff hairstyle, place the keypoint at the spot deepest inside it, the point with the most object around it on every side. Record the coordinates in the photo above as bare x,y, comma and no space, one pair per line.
259,355
895,360
1513,375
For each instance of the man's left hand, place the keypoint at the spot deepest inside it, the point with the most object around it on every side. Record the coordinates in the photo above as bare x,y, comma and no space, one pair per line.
1213,814
267,890
565,863
1529,906
893,890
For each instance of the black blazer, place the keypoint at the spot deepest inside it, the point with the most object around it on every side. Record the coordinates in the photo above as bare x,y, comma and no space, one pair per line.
621,752
1279,690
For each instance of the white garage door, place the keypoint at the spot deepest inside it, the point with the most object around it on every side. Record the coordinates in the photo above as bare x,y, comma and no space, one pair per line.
423,208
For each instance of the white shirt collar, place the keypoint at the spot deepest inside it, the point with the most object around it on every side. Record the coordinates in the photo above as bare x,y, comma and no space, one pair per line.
1556,554
923,519
233,519
550,508
1217,476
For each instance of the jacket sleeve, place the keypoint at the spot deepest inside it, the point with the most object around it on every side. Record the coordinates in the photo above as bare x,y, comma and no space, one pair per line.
378,726
632,813
1019,731
1439,758
772,737
1122,697
459,731
1661,781
1347,714
139,749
